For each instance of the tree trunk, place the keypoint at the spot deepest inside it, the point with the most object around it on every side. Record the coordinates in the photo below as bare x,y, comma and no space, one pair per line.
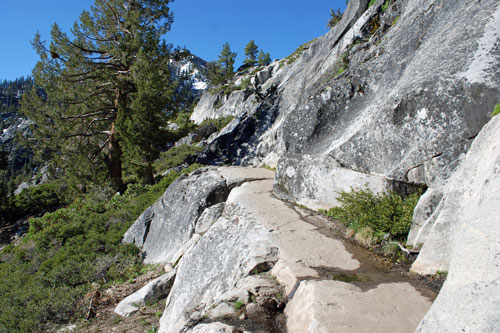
149,176
115,159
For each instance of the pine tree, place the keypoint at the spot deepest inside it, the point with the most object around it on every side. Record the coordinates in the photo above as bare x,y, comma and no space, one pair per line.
214,73
143,127
251,51
91,83
226,62
264,58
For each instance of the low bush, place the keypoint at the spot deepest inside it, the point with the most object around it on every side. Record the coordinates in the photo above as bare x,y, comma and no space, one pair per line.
32,201
69,252
219,123
496,110
385,215
175,156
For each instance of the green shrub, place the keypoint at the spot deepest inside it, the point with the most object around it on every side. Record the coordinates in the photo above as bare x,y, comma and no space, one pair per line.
385,213
385,6
69,252
297,53
496,110
335,17
175,156
32,201
371,3
219,123
238,305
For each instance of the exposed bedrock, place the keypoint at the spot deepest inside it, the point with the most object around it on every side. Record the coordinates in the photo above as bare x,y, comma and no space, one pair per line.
464,241
388,99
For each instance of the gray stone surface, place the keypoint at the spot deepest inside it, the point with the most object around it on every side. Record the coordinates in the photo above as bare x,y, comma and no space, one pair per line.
138,232
412,97
208,217
169,228
213,328
207,106
334,306
318,185
464,241
256,234
175,214
150,293
221,310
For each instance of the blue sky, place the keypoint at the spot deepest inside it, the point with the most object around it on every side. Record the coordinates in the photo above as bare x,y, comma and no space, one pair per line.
277,26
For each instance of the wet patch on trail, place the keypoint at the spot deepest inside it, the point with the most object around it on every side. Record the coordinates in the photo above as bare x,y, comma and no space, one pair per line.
374,269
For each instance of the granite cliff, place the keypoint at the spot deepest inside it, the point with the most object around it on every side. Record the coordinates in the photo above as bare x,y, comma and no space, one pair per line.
398,95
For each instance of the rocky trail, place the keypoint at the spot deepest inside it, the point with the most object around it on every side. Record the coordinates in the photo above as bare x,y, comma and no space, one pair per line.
265,265
399,93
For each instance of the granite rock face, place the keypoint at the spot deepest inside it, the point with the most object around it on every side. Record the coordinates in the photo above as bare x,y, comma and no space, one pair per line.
262,252
170,222
417,82
334,306
388,99
463,241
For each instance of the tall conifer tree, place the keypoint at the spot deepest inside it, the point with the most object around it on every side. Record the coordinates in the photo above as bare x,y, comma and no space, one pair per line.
251,51
264,58
226,62
94,82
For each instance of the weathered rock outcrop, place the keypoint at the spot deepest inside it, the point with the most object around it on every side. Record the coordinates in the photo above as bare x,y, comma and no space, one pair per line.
155,290
334,306
464,241
418,81
390,98
167,229
260,253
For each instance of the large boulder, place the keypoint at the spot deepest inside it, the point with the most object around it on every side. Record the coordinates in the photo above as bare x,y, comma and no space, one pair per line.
153,291
171,221
172,225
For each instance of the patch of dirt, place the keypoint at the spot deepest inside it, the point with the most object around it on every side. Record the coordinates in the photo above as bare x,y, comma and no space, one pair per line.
104,319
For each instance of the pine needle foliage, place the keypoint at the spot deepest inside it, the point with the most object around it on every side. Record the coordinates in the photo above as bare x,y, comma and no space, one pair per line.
97,81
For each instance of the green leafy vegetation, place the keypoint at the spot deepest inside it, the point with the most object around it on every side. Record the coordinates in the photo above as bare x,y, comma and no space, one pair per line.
251,51
107,92
349,278
69,252
335,17
264,58
385,6
375,216
238,305
297,53
371,3
219,123
11,92
175,156
496,110
32,201
222,71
